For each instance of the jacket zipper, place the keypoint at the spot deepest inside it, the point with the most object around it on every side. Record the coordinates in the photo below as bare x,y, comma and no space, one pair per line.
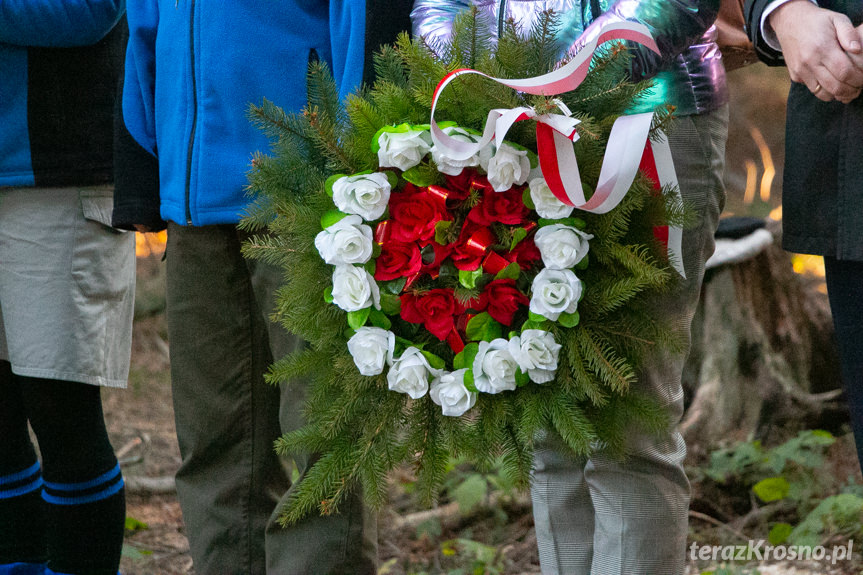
194,116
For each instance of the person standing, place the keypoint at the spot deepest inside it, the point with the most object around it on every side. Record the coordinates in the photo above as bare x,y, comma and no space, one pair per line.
822,195
602,515
192,70
67,282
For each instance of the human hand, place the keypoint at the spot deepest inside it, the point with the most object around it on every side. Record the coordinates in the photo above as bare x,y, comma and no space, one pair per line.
822,49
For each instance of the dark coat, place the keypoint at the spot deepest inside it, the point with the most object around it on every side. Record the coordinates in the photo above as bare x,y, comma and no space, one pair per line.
822,195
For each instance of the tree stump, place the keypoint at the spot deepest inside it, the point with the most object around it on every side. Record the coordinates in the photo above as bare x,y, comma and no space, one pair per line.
763,353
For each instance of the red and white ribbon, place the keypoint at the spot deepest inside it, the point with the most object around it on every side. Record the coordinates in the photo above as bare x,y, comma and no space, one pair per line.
628,147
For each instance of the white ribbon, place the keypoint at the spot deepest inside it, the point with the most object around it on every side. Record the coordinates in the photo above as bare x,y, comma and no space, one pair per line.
555,133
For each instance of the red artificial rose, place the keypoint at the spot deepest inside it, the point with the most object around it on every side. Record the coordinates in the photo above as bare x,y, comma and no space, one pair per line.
525,253
503,300
465,259
435,309
397,260
504,207
414,215
460,185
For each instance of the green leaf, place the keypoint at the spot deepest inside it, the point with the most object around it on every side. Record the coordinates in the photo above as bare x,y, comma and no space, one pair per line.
779,533
434,361
390,304
518,234
464,358
418,177
568,319
482,327
543,325
440,231
468,278
771,489
328,294
521,378
528,201
469,382
394,286
376,250
328,185
392,178
533,158
582,265
357,319
510,272
370,266
472,491
133,524
536,317
379,319
331,217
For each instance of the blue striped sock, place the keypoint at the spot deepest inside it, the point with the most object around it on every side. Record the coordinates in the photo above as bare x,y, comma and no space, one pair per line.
96,489
21,482
85,522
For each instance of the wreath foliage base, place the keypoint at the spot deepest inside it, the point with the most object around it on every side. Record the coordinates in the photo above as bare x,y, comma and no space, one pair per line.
358,427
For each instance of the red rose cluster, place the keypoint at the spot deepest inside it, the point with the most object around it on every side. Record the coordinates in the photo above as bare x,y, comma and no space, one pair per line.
409,249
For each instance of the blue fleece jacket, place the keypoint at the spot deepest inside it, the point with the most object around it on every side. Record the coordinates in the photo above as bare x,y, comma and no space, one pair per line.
193,68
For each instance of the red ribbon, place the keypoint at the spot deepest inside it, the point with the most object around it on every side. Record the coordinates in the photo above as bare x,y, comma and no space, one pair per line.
383,232
648,168
480,242
494,263
455,341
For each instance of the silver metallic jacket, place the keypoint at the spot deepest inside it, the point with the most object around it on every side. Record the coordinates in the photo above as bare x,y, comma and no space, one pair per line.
688,74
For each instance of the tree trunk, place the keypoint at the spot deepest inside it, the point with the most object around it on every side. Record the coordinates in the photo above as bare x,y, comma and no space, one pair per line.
763,354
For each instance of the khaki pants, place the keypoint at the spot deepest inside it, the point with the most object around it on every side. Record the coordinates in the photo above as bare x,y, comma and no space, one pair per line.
231,484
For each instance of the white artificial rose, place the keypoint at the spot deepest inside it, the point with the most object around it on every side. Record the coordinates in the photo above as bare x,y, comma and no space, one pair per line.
348,241
545,202
536,353
509,166
354,288
494,367
365,195
448,391
370,347
403,150
449,166
555,292
561,246
410,373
